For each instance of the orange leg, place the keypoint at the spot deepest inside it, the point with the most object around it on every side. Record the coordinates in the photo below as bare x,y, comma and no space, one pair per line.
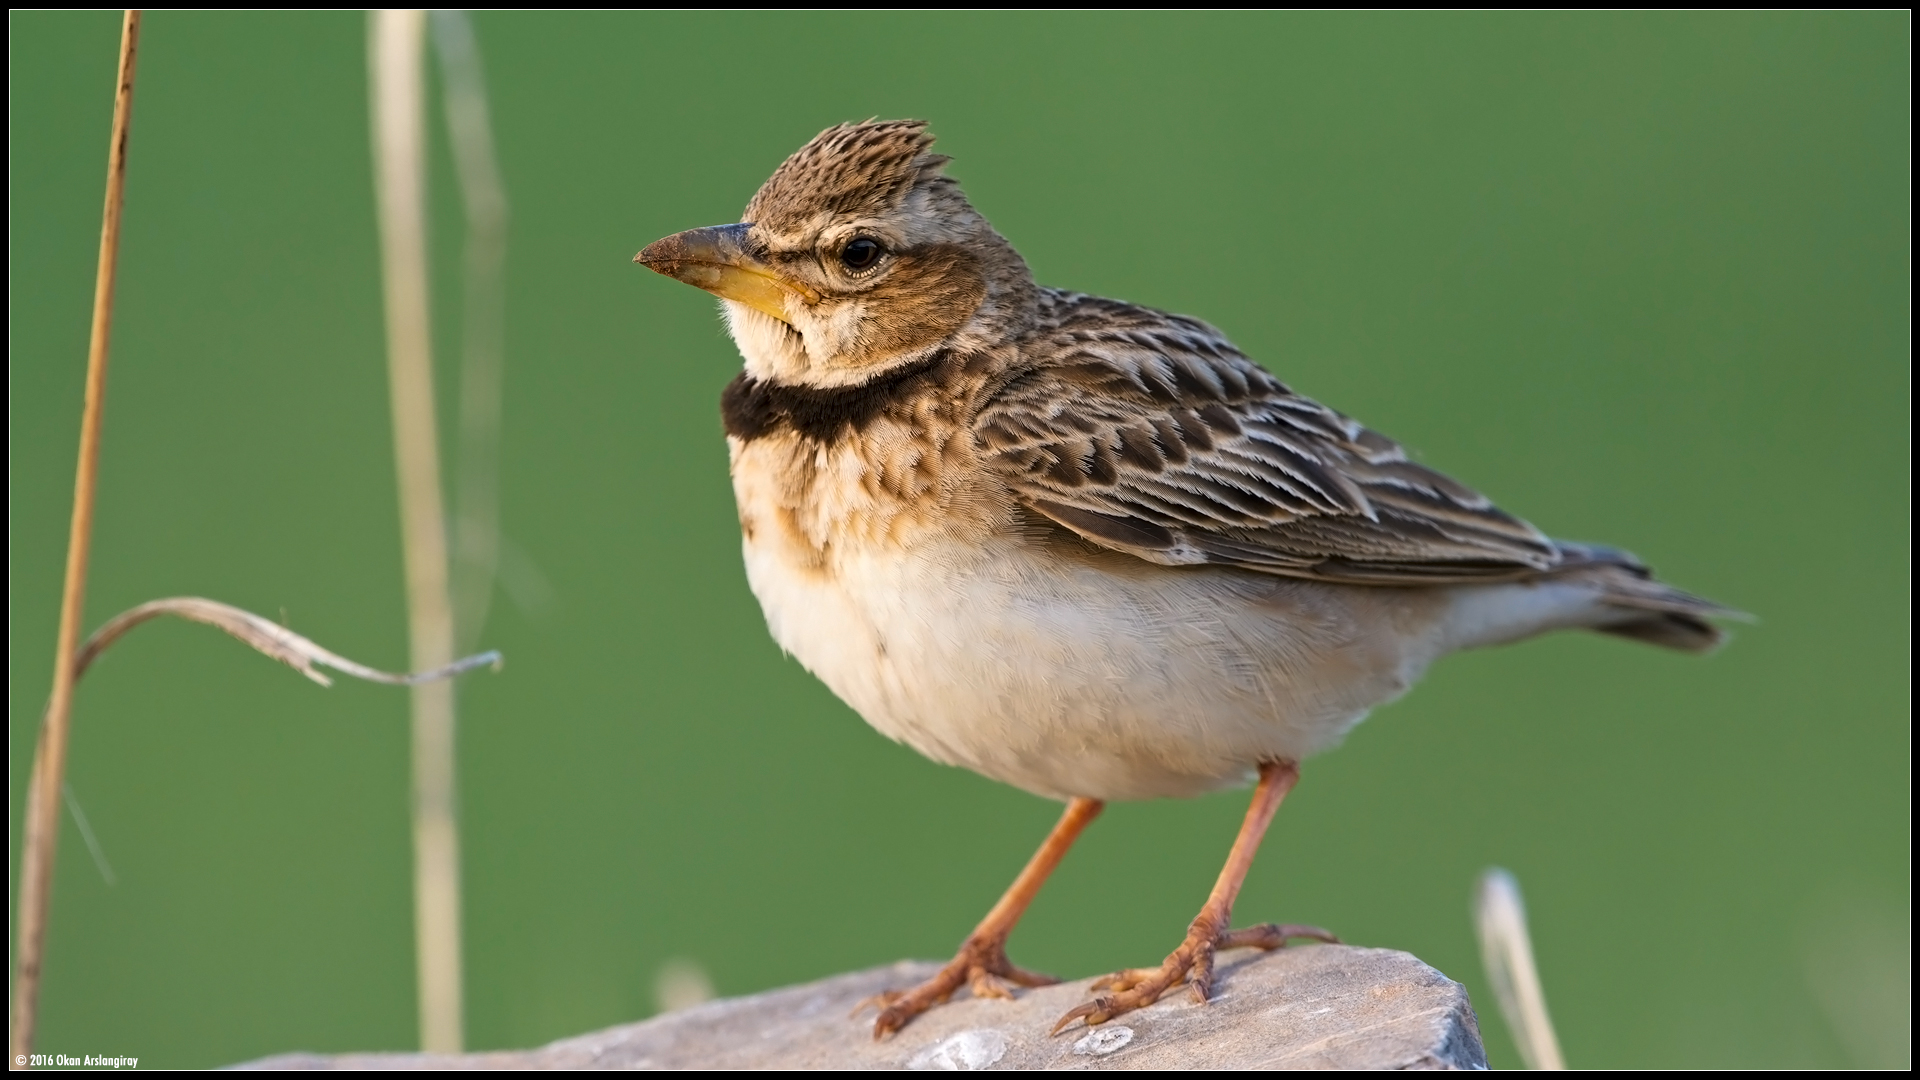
982,962
1192,962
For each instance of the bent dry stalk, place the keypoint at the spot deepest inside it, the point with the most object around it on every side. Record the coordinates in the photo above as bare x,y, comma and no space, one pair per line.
268,638
264,636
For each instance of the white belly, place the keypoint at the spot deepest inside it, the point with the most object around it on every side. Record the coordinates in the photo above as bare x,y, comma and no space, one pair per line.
1115,680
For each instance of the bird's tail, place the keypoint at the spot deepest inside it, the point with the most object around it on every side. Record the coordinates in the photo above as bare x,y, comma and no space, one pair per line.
1643,608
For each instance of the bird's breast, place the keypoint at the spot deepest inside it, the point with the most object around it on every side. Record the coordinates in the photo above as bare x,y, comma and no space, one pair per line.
891,487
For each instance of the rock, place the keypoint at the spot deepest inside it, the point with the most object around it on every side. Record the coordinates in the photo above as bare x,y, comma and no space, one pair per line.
1318,1007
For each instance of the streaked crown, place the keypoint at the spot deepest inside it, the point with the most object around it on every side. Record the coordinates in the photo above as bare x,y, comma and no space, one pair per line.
848,170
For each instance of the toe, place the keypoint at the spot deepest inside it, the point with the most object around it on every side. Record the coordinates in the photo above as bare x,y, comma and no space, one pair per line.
985,984
878,1001
1142,987
898,1008
1272,936
889,1021
1124,979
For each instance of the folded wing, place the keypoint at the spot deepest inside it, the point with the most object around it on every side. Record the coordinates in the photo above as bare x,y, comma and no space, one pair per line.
1151,434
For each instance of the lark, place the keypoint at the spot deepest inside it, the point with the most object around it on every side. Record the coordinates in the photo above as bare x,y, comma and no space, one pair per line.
1078,545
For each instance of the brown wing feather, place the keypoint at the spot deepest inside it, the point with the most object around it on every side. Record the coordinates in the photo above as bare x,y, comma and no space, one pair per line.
1150,433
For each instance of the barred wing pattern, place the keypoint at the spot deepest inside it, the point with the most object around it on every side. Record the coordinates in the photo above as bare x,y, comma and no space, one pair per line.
1151,434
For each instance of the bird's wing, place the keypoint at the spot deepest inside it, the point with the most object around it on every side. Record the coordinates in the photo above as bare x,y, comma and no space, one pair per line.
1151,434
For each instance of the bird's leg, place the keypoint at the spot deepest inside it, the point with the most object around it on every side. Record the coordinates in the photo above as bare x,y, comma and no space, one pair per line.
982,962
1210,931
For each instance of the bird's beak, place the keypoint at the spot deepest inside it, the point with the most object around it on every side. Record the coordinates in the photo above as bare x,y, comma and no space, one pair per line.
716,259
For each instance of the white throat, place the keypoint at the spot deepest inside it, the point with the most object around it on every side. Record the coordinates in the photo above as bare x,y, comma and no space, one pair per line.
773,351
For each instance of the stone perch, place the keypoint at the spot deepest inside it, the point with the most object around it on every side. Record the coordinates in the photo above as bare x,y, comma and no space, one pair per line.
1317,1007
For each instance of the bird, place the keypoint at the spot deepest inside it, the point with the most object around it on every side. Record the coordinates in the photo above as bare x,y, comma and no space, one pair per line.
1082,546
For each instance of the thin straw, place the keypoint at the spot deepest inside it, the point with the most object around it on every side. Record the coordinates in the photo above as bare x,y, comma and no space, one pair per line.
50,759
396,56
1505,946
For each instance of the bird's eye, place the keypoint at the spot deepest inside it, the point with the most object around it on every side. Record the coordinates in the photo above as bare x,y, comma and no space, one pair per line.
861,253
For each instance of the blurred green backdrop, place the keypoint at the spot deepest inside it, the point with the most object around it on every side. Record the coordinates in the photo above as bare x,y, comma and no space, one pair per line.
1642,278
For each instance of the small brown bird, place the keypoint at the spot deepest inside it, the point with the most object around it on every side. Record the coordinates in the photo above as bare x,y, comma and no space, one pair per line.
1082,546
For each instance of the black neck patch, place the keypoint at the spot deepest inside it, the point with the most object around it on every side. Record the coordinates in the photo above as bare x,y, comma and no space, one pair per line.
751,408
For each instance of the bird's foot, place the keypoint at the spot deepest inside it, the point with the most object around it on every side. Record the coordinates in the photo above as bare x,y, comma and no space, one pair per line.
1191,963
981,965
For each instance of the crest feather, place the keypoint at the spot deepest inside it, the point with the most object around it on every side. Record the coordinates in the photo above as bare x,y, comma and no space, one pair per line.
864,168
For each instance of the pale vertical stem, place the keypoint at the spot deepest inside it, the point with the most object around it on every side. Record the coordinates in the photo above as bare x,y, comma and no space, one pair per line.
1500,917
50,757
396,54
476,508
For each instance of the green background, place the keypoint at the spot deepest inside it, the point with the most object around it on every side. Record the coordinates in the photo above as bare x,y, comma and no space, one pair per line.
1642,278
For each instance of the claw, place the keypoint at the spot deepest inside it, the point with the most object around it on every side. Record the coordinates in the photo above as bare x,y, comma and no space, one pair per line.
1093,1012
1200,977
878,1001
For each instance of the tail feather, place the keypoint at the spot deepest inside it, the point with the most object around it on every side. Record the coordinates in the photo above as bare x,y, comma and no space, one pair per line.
1687,633
1650,610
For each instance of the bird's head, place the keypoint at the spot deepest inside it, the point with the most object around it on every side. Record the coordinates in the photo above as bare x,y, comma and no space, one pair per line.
857,257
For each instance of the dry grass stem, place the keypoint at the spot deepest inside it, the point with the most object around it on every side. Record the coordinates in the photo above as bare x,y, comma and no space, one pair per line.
396,55
50,757
476,505
264,636
1500,918
267,637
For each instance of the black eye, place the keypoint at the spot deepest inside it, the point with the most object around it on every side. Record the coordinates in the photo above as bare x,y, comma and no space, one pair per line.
861,253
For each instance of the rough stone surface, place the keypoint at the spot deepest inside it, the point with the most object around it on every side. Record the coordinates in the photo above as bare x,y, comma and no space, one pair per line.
1321,1007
